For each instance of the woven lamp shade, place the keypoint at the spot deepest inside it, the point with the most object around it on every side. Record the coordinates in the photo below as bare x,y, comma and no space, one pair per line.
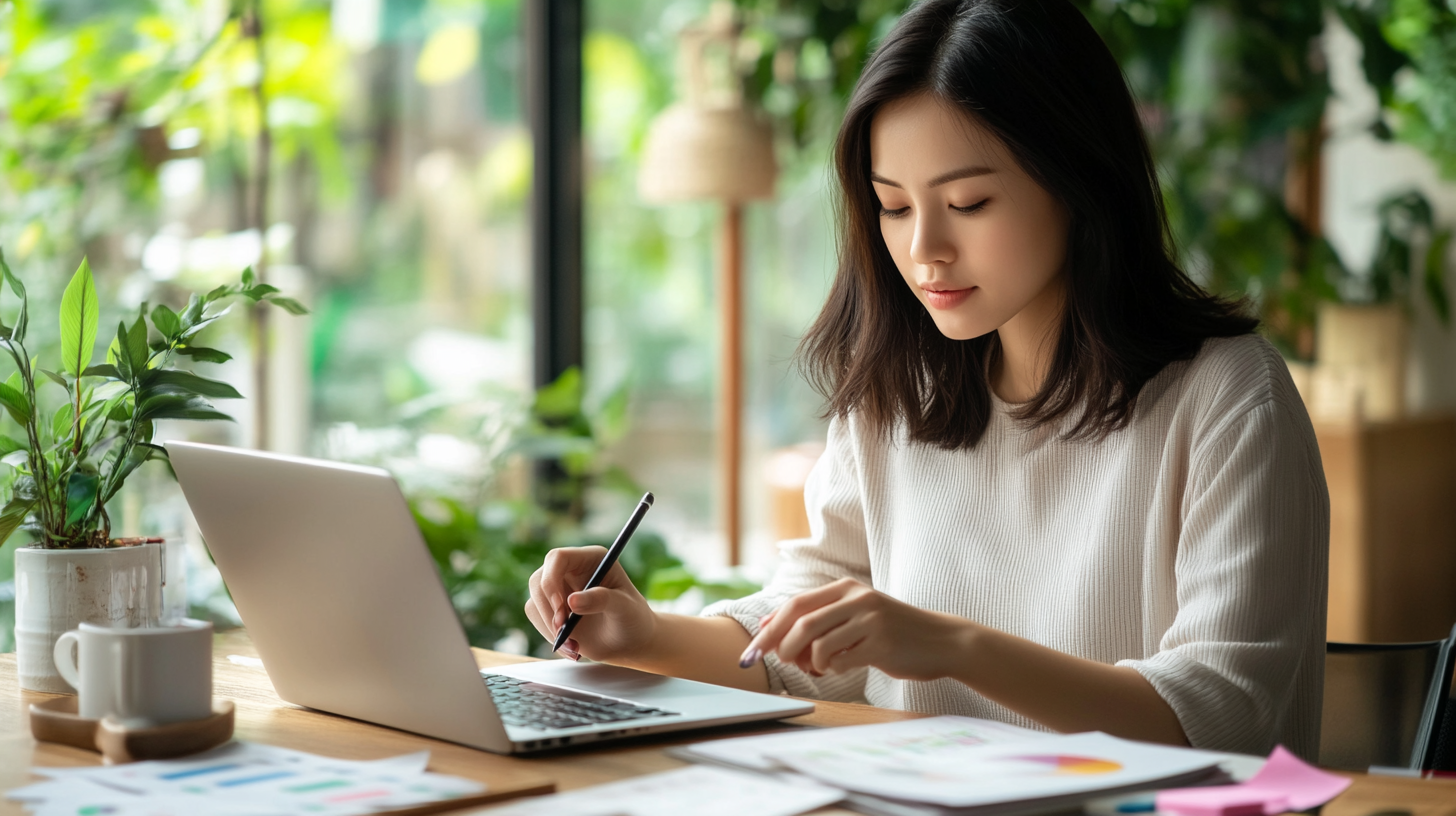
695,153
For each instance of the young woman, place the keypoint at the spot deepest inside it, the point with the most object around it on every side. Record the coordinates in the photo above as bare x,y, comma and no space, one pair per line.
1064,487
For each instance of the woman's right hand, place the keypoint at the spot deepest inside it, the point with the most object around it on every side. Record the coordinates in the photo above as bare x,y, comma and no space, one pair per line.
616,621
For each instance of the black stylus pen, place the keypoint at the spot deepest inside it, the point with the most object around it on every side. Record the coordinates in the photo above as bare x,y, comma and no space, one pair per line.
606,566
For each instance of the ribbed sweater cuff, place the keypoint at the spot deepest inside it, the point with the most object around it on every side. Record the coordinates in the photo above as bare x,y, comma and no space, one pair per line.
784,678
1216,715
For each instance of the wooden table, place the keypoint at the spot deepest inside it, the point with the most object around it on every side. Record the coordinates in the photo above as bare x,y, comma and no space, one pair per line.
262,717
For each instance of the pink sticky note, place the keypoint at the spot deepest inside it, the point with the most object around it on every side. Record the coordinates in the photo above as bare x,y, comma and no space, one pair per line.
1285,783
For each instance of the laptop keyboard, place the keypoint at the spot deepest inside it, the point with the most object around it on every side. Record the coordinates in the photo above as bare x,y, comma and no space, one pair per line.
536,705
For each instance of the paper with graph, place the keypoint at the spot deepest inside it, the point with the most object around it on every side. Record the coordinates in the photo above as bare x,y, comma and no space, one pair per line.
243,779
756,753
936,764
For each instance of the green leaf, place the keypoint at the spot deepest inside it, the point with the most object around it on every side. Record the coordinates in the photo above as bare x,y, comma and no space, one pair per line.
249,277
56,378
260,291
119,412
204,355
102,370
95,417
561,400
13,515
1435,275
178,406
79,317
610,422
155,451
80,496
119,353
24,488
16,404
5,331
61,423
217,294
668,583
173,381
193,312
203,323
137,344
288,304
22,320
134,458
166,321
9,445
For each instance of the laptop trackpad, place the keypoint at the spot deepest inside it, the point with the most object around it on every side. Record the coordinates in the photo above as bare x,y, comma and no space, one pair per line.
610,681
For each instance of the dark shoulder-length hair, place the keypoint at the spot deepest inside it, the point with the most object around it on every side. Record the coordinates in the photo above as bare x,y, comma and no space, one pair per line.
1035,74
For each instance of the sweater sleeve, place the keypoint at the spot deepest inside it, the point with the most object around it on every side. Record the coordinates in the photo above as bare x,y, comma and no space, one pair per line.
1246,648
836,548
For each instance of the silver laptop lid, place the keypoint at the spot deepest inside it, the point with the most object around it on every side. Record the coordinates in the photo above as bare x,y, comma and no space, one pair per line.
338,590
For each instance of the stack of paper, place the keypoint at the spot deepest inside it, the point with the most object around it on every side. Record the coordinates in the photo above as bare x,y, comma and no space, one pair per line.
243,779
698,791
960,765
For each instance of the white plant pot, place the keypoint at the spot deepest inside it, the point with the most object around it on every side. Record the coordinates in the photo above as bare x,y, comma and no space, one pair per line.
55,590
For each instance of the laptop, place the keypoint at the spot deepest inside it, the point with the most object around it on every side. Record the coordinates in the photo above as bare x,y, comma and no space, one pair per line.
344,604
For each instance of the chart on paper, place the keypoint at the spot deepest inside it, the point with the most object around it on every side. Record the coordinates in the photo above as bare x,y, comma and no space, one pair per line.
910,737
940,768
242,779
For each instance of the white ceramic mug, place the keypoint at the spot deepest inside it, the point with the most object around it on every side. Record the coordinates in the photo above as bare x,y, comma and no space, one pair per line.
145,676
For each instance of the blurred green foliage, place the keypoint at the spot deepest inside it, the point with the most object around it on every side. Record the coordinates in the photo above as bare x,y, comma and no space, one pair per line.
1409,56
487,543
94,92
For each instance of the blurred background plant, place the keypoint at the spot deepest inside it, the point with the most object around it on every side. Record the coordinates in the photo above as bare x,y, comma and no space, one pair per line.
464,465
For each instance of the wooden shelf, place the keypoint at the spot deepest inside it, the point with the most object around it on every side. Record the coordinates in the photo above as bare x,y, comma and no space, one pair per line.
1392,528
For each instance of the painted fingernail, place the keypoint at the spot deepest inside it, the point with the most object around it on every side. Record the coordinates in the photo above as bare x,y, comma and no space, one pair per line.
572,645
750,657
569,654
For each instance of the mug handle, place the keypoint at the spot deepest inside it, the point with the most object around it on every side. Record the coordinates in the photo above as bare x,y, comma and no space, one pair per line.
65,654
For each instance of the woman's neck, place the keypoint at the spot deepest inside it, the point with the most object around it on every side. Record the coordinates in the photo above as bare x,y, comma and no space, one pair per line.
1028,342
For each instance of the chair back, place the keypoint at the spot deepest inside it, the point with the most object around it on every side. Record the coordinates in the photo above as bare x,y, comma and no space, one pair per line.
1389,704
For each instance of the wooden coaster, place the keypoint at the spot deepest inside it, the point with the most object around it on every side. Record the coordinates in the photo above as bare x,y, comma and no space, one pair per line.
57,721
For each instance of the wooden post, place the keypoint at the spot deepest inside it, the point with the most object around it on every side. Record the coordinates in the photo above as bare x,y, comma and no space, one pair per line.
553,30
730,396
553,33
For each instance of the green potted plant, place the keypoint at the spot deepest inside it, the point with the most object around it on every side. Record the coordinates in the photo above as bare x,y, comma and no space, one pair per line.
72,459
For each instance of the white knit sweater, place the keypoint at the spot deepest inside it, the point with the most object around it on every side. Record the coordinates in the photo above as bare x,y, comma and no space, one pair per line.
1191,545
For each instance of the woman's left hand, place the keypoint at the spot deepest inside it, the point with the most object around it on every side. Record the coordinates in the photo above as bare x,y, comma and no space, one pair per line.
845,625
